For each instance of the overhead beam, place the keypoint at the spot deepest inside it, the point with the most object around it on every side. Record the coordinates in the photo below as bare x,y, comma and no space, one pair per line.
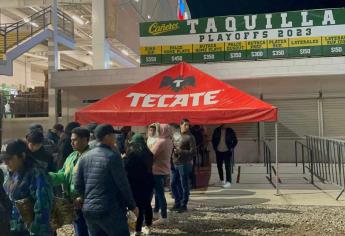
36,3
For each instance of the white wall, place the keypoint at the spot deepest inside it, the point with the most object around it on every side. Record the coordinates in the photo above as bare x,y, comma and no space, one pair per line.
23,76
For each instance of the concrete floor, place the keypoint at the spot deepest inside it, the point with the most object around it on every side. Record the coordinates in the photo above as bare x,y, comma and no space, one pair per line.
254,188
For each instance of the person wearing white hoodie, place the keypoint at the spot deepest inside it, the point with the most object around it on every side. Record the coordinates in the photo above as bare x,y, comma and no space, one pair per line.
161,150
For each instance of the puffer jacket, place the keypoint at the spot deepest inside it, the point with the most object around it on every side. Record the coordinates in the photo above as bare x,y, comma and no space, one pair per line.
162,151
102,181
184,148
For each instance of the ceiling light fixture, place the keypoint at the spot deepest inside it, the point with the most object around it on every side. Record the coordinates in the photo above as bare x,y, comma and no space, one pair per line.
26,20
78,20
34,24
124,52
33,9
149,17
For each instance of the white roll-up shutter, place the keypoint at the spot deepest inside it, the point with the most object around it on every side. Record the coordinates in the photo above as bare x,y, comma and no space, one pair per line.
246,131
297,118
334,116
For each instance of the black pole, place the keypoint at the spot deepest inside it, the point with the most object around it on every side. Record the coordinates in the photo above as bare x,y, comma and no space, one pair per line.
1,115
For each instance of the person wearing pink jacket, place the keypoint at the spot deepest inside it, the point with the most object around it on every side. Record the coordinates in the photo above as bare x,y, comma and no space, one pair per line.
161,150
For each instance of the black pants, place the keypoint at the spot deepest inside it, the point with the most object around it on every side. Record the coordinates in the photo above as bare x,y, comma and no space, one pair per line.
145,212
224,157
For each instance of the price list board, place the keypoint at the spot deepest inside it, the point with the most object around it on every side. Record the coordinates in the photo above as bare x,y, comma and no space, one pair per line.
211,52
305,47
277,48
177,53
333,45
257,49
234,51
151,55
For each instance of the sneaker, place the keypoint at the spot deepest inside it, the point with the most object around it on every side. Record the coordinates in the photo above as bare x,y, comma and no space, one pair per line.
146,230
160,221
227,185
182,209
221,183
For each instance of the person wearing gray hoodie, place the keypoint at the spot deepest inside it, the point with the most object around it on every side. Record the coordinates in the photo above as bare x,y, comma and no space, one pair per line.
162,150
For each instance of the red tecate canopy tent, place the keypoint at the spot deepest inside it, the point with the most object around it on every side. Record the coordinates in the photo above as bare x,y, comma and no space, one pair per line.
181,91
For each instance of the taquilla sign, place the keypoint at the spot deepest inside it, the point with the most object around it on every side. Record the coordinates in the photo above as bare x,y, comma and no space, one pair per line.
261,36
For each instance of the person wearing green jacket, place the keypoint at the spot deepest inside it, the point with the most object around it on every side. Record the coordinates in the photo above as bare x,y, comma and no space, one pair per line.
79,140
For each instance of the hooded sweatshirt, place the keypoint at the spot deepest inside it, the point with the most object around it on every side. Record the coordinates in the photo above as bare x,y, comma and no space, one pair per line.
162,150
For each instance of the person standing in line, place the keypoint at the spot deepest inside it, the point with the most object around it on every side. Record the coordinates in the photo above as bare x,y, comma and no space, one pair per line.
55,133
161,150
224,140
102,182
65,176
47,143
138,164
25,182
92,141
64,147
152,134
183,153
36,149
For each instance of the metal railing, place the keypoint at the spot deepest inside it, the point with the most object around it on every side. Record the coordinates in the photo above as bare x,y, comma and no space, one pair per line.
270,170
328,162
13,34
306,155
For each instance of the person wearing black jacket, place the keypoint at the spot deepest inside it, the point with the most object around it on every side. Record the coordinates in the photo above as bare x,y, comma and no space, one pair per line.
138,164
224,140
102,183
38,152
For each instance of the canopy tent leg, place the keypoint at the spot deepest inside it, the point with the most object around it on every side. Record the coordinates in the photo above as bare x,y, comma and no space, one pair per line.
276,153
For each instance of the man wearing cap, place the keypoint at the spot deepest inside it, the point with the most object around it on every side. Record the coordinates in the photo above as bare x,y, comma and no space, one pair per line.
103,185
80,139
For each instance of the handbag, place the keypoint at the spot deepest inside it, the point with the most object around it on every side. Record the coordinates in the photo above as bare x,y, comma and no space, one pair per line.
25,207
63,212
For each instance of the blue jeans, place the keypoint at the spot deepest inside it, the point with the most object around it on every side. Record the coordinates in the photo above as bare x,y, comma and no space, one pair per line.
108,225
160,201
79,224
180,184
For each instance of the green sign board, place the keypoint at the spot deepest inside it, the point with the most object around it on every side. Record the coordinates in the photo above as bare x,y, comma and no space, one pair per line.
311,33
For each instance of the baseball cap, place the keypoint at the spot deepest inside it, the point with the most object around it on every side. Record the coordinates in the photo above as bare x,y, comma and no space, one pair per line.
35,127
91,127
12,147
102,130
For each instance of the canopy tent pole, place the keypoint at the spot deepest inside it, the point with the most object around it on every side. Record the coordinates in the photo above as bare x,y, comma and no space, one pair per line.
276,152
